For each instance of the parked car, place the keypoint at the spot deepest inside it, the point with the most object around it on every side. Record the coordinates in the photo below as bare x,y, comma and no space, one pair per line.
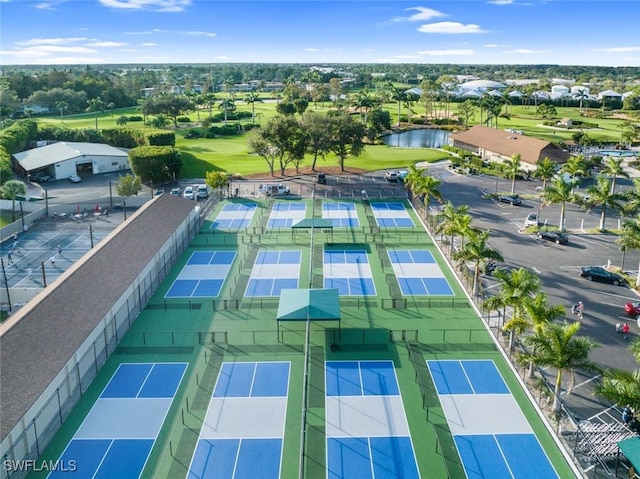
511,199
177,191
532,220
188,193
598,273
203,192
391,176
632,308
555,236
402,175
40,177
322,179
158,192
75,179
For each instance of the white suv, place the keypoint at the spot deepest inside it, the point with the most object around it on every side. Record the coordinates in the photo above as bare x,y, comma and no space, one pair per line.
188,193
391,176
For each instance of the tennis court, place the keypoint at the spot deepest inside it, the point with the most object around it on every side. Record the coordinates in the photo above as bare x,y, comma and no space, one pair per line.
367,431
235,216
274,271
418,273
203,275
342,215
243,430
492,435
286,213
349,272
391,214
117,435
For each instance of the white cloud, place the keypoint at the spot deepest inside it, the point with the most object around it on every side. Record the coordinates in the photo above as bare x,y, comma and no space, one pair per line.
494,45
149,44
620,49
71,60
222,57
146,32
439,53
450,27
45,6
406,57
423,14
59,49
311,49
106,44
501,2
155,5
51,41
201,34
526,51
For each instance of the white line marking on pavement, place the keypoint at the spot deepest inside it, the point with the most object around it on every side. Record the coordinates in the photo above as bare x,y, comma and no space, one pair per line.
576,386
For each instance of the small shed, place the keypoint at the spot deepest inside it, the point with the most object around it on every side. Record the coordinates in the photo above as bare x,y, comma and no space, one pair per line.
308,305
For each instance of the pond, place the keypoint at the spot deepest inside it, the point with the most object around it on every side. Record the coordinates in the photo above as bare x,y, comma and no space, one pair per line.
422,138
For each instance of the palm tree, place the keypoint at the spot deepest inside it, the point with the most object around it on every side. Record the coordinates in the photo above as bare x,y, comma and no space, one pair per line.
629,239
632,198
10,190
96,105
209,100
477,251
545,169
512,167
581,95
423,186
601,194
409,100
111,106
448,221
557,346
576,167
251,99
613,167
62,106
622,387
398,95
227,104
517,287
559,191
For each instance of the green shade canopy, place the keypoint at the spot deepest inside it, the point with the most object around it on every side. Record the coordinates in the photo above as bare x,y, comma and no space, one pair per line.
313,223
309,304
631,449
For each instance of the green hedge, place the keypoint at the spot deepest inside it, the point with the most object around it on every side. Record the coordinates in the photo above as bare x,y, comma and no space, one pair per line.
157,164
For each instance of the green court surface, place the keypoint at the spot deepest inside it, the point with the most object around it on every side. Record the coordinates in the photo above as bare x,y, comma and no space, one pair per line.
408,330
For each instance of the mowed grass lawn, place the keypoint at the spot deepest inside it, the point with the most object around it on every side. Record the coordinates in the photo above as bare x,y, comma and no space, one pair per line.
231,154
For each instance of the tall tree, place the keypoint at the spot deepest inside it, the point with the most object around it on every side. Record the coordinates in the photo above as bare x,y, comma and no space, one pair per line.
545,169
614,168
512,168
622,387
61,106
346,138
96,105
318,130
227,105
477,251
559,191
557,346
10,190
601,195
251,99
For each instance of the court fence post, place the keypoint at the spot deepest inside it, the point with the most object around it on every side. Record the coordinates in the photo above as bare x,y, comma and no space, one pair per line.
170,448
187,401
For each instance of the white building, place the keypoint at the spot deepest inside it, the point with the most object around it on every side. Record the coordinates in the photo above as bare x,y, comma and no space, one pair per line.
64,159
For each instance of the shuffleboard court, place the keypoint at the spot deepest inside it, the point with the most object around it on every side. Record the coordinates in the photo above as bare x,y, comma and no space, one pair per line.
366,425
418,273
284,214
499,441
274,271
391,215
235,216
117,435
203,275
243,430
341,214
349,272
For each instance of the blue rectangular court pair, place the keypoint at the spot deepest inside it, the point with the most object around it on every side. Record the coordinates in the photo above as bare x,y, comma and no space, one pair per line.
351,286
344,257
382,206
239,207
145,380
278,257
212,257
338,206
467,377
425,287
395,222
251,379
282,206
230,224
411,256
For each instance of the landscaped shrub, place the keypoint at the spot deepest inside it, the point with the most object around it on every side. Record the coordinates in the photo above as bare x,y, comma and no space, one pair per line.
160,138
183,119
155,163
135,118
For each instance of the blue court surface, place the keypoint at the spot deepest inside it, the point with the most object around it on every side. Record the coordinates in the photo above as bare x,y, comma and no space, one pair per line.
342,215
418,273
234,216
203,275
243,431
391,215
117,435
349,272
492,436
284,214
366,427
274,271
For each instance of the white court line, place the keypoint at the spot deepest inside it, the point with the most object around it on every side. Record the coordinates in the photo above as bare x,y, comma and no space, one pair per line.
576,386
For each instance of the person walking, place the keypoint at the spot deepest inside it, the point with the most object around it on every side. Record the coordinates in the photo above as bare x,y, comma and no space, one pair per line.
53,260
9,258
625,330
29,272
59,250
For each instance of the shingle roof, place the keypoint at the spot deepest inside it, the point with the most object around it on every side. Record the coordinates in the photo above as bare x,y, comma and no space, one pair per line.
509,144
42,337
61,151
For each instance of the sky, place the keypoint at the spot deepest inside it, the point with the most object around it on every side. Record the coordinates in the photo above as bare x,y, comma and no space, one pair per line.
564,32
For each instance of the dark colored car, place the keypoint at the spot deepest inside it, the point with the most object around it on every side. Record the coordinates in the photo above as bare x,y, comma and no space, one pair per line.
322,179
598,273
555,236
511,199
